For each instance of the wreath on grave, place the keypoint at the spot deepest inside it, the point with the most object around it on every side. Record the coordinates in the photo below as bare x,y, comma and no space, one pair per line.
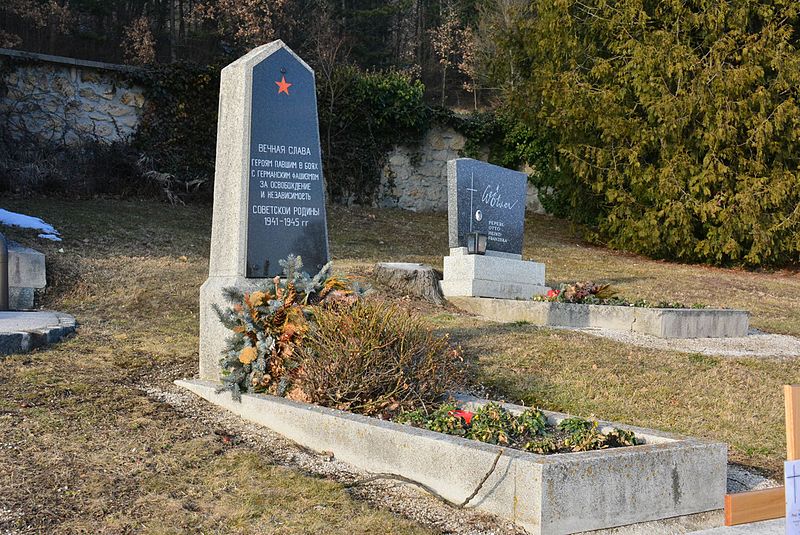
590,293
270,323
317,340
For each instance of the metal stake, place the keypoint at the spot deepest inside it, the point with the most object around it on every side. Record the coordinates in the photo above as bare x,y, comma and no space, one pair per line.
3,273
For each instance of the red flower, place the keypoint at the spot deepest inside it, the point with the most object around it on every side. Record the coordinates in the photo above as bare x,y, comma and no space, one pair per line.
464,415
553,293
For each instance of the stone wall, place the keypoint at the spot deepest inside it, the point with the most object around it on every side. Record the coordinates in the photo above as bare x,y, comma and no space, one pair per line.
66,100
415,178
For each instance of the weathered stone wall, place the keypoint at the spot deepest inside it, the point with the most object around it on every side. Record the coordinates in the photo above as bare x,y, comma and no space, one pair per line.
415,178
67,101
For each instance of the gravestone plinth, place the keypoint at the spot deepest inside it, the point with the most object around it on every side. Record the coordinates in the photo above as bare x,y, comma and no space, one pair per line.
269,198
490,200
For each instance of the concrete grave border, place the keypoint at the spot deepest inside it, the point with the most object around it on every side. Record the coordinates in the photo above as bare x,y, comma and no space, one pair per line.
660,322
668,476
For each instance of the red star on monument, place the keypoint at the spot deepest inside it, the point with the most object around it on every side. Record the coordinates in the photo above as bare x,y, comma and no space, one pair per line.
283,86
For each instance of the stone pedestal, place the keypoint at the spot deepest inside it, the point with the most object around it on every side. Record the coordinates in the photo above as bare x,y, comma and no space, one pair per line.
26,274
499,275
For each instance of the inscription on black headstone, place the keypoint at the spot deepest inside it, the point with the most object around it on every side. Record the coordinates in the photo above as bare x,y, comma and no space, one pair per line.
488,199
286,208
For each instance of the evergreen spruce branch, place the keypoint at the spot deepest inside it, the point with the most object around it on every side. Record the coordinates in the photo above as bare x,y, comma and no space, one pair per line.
233,294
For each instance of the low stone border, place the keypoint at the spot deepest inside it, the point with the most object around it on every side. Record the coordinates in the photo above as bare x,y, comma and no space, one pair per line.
21,332
668,476
661,322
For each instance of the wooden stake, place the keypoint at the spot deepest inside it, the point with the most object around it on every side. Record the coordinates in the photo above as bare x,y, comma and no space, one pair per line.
791,395
757,505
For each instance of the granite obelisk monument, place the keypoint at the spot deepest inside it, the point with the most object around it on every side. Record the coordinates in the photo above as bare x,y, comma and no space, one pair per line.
269,195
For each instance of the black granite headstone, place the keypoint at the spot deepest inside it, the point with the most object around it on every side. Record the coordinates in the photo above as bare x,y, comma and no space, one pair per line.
286,207
488,199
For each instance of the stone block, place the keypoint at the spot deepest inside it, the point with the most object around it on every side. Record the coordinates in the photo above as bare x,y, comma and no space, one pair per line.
130,98
63,86
457,142
90,76
436,141
493,268
398,159
21,298
442,155
488,288
105,130
26,267
23,331
87,93
118,111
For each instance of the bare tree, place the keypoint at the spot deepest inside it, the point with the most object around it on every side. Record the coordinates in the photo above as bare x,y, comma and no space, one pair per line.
445,42
138,42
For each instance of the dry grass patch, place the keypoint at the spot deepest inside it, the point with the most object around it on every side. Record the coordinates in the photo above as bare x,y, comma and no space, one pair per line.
84,450
131,271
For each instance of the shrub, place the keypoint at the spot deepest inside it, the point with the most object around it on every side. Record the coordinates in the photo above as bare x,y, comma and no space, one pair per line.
375,359
676,122
269,324
179,128
362,116
314,340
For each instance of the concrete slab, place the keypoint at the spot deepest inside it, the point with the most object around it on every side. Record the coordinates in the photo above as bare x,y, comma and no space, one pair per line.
666,477
770,527
660,322
492,289
23,331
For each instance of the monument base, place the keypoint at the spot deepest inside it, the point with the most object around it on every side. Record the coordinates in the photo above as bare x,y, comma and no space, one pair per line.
498,275
212,333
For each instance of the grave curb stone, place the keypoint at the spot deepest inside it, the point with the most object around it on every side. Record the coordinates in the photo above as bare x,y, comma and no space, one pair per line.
37,329
669,476
660,322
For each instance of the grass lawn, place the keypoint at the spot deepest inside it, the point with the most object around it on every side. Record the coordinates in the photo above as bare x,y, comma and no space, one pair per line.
85,449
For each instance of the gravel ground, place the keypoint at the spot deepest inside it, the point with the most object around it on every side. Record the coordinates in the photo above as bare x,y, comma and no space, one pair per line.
401,499
755,344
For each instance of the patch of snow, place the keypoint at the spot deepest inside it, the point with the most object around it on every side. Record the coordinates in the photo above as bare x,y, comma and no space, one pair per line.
14,219
52,237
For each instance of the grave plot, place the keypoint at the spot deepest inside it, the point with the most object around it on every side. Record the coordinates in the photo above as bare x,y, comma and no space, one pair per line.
485,274
660,322
666,476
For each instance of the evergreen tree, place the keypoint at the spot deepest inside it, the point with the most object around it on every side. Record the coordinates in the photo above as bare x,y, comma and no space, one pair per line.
676,122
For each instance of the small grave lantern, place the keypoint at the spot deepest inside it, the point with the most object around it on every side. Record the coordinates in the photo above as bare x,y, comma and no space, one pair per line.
476,243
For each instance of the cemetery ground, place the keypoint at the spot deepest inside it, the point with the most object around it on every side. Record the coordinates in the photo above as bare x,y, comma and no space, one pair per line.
84,447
